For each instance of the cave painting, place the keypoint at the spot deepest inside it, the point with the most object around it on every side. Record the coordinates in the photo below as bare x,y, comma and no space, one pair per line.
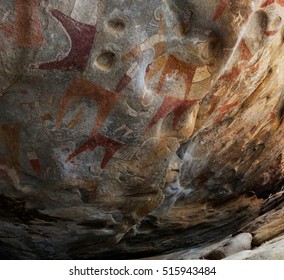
34,161
167,66
9,159
111,147
117,110
221,8
163,66
226,106
27,27
271,32
225,3
170,66
105,100
127,77
245,57
171,104
81,39
269,2
157,42
10,138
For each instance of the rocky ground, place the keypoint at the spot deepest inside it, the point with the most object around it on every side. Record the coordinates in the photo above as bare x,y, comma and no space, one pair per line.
262,239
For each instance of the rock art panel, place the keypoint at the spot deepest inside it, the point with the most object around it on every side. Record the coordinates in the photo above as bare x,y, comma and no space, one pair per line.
120,124
81,41
27,28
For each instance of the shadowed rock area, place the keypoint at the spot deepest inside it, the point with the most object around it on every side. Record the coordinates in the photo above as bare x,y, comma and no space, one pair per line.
128,132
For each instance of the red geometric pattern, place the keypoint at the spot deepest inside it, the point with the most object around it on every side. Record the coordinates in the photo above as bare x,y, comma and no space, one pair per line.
82,36
111,147
269,2
221,8
80,88
171,105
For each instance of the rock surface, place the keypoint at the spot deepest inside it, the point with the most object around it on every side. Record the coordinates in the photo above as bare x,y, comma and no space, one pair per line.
129,132
272,250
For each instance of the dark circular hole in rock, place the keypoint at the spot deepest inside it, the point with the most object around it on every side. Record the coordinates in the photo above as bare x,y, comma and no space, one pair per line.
117,24
105,61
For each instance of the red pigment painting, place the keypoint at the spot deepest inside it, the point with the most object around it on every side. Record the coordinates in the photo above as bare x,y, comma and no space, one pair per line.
27,28
105,99
81,36
171,104
269,2
111,147
221,8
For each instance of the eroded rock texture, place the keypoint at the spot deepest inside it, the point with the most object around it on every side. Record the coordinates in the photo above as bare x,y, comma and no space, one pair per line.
129,131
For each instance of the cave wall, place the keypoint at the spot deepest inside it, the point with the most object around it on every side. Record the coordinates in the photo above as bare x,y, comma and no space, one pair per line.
119,122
